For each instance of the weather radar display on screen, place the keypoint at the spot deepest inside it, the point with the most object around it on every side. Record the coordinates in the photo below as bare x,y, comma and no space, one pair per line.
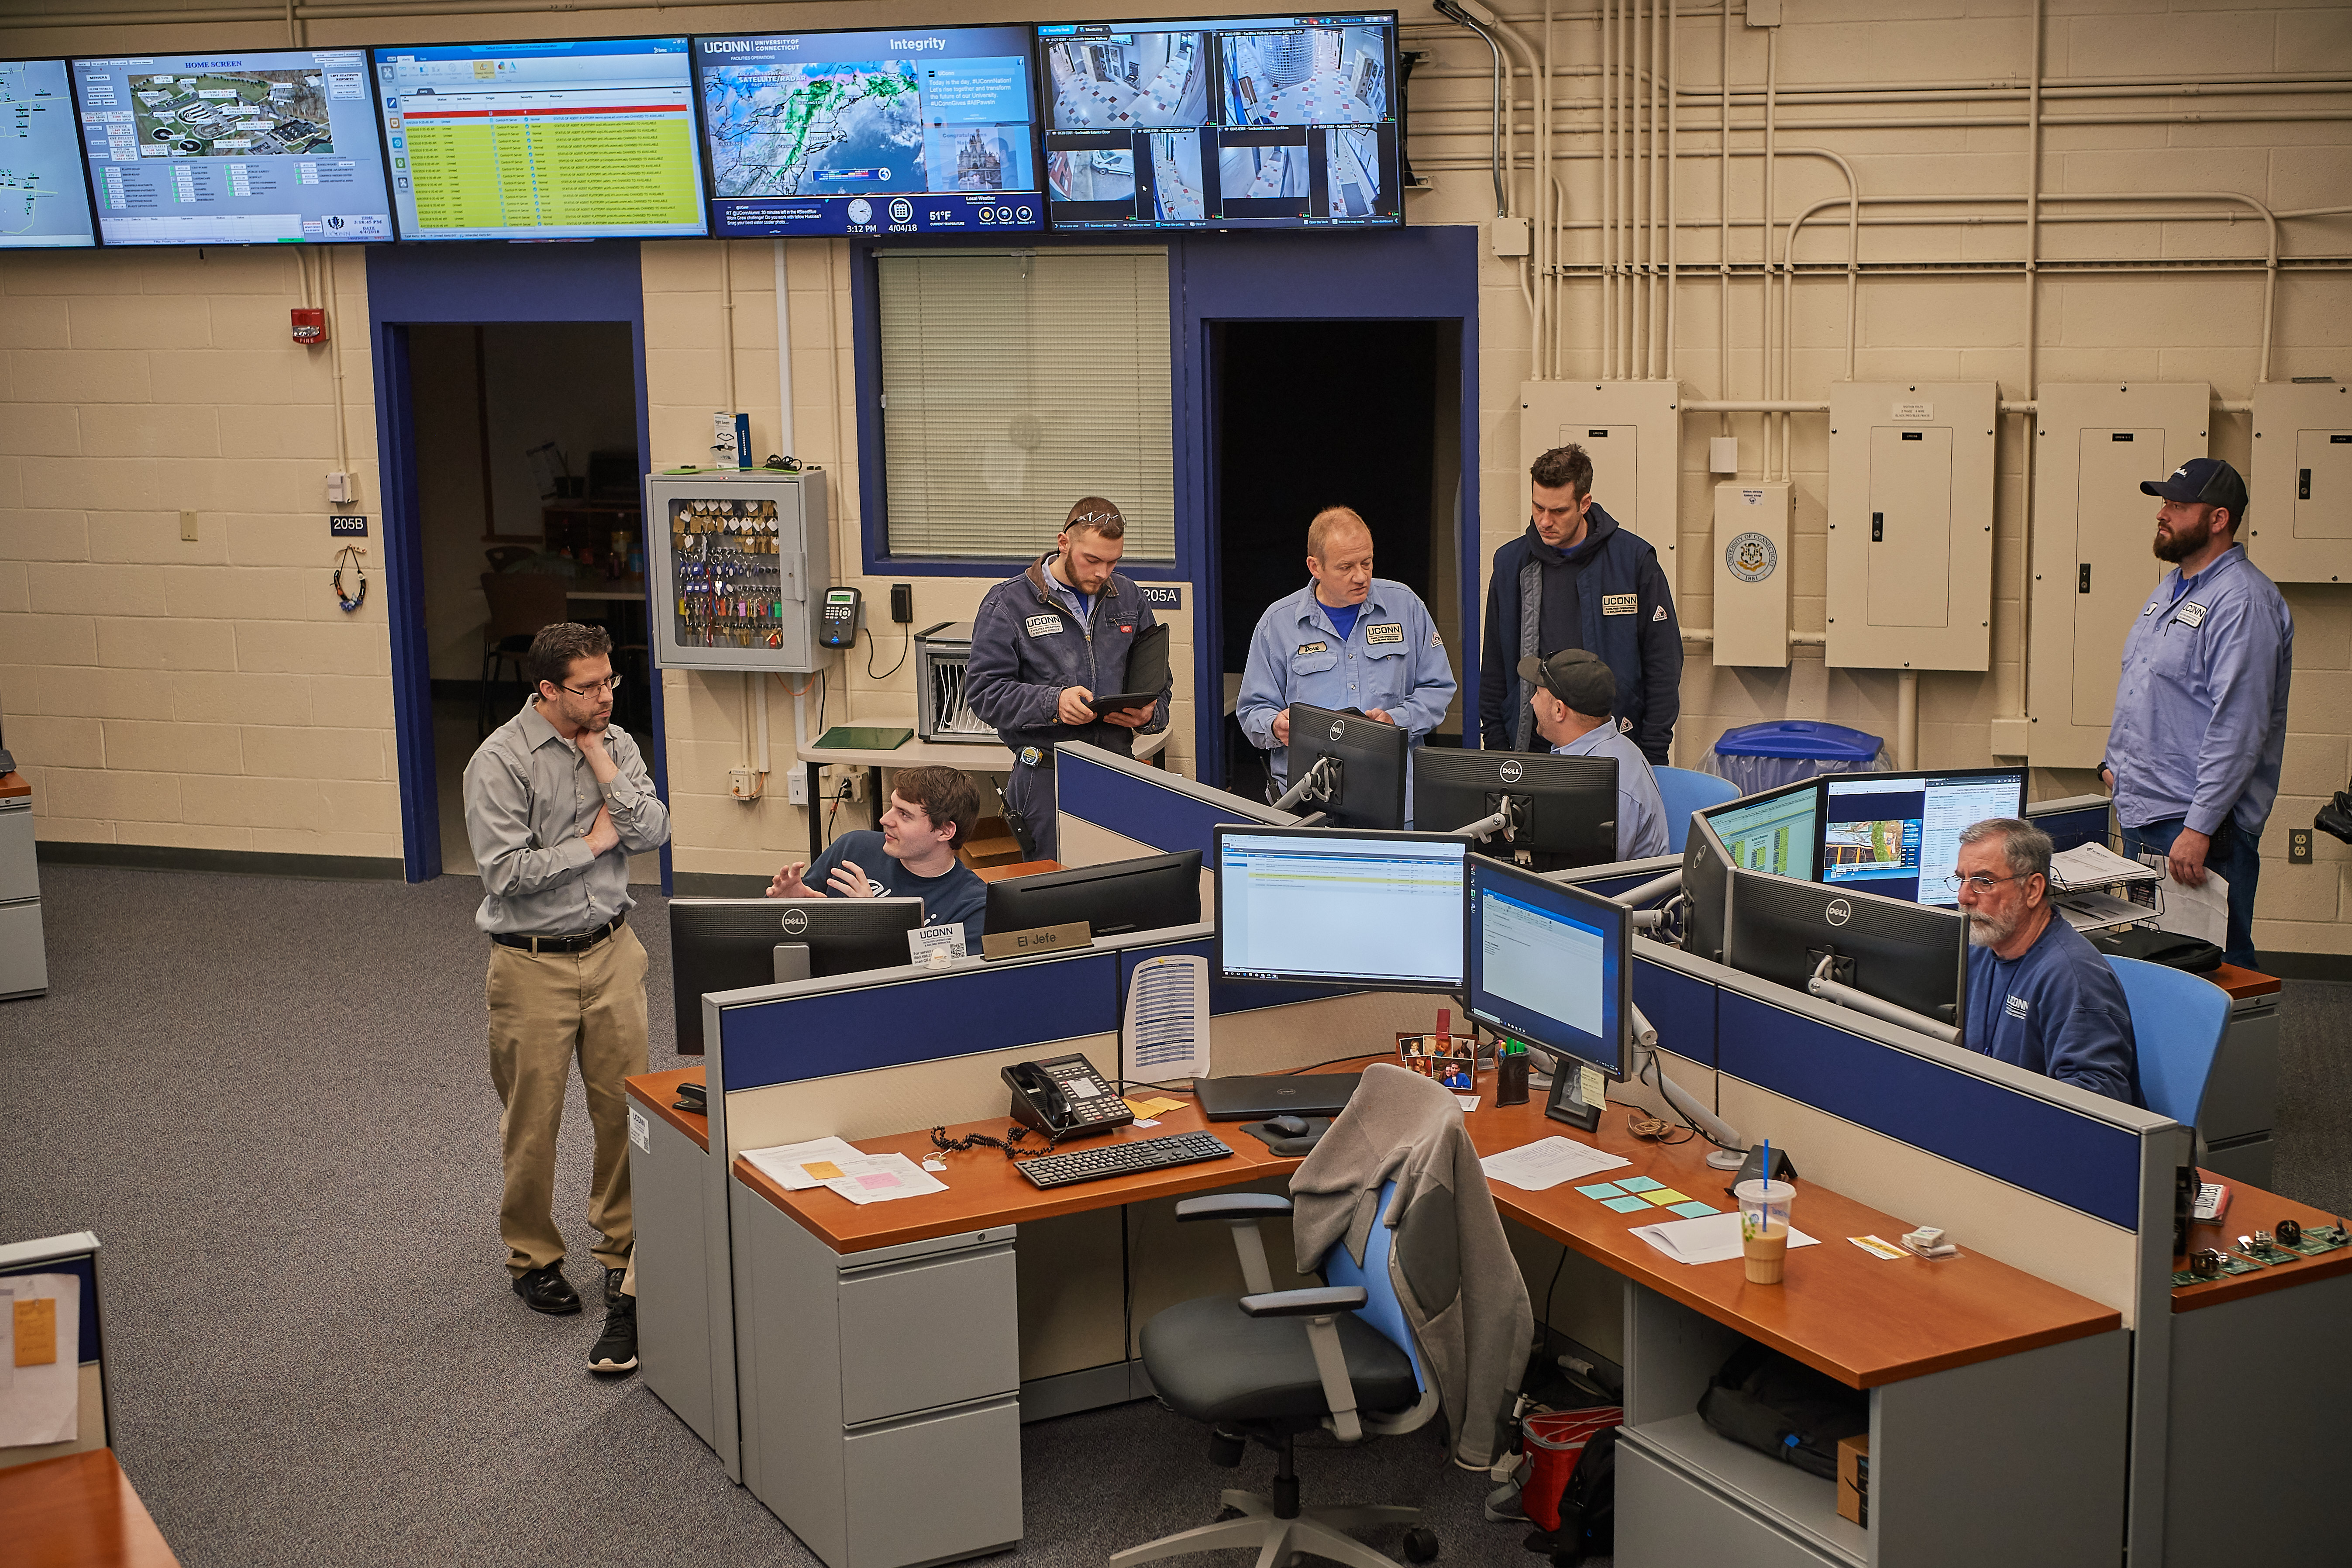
1238,123
43,202
924,130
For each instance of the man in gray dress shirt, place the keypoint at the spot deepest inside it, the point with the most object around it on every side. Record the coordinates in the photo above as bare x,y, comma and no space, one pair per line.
556,801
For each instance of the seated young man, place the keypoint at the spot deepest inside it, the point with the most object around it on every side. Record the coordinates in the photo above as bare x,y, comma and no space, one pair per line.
932,810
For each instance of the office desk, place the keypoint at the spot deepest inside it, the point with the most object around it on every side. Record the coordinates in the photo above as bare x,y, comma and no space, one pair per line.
2241,1107
897,1321
971,756
78,1512
668,1153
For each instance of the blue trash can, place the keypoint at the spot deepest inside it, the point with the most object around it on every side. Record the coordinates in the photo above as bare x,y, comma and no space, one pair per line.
1765,756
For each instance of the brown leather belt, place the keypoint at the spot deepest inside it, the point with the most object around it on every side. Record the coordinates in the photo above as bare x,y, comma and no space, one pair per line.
580,942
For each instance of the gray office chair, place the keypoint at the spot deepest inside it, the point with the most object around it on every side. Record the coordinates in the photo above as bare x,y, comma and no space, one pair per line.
1269,1365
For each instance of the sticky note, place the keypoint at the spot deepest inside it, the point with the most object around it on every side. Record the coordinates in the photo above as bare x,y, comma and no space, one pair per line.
1636,1184
1625,1205
1602,1190
36,1331
876,1181
1693,1210
823,1170
1661,1196
1876,1247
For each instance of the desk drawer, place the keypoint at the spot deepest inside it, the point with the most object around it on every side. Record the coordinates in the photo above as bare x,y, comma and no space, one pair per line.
929,1332
933,1487
1666,1520
24,963
20,873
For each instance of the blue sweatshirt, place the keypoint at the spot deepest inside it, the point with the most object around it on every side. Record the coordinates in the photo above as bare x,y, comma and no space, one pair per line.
2058,1010
957,897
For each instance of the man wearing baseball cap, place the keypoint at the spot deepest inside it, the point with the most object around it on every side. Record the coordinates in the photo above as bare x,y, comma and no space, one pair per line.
2201,715
1574,693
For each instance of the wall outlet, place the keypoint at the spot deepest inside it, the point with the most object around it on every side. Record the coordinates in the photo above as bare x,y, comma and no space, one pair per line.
796,786
744,783
839,774
2298,846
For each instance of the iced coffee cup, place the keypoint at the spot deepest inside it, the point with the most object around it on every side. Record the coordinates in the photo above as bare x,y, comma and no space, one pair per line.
1764,1228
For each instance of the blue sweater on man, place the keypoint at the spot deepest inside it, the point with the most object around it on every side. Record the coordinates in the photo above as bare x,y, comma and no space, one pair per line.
2056,1009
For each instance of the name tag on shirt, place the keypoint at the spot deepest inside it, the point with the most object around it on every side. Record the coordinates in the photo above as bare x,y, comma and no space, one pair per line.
2019,1008
1043,626
1387,631
1314,647
2147,609
1621,603
2192,614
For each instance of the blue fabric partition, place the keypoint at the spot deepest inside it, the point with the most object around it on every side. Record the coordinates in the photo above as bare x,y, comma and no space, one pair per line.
2071,1159
919,1019
1167,819
1680,1006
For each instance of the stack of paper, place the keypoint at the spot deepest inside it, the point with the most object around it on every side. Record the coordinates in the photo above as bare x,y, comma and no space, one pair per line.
1537,1167
2095,866
1715,1239
796,1167
878,1178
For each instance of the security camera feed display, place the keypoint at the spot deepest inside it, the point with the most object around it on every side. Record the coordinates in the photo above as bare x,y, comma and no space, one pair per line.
1241,122
238,147
913,131
566,139
1898,834
43,201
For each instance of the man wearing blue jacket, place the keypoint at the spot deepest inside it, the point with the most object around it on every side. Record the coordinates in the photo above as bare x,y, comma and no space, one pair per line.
2040,996
1347,639
1576,579
1043,644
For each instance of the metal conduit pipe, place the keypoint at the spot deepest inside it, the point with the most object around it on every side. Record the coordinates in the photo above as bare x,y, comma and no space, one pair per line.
1453,12
1810,97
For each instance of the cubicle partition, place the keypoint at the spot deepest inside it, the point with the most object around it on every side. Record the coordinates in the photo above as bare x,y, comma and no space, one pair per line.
60,1379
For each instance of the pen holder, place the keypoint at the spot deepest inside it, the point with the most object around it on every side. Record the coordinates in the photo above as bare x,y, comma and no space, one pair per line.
1511,1080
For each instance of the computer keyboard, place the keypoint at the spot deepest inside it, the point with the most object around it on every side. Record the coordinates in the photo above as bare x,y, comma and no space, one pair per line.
1124,1159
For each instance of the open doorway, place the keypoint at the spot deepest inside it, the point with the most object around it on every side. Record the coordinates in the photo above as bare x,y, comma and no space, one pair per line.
1309,413
528,511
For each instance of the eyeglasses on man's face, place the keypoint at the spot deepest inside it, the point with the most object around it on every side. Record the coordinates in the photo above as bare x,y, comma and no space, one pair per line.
610,684
1982,882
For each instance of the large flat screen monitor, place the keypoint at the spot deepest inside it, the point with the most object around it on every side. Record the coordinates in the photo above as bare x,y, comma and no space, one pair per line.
1337,906
44,192
909,130
234,147
1549,964
1286,122
564,139
1563,810
734,944
1353,768
1150,893
1911,955
1898,834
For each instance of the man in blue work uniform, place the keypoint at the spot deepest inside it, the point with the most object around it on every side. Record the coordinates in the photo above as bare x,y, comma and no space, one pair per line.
1576,579
1044,643
1575,694
2040,996
1347,639
2201,716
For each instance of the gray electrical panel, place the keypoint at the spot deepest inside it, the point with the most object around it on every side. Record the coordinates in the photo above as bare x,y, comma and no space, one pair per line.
1911,483
2299,512
737,562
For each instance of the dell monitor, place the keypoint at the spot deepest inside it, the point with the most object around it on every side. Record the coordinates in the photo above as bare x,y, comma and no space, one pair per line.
1909,955
1150,893
1560,812
1774,830
912,131
1291,122
559,139
1549,964
1345,771
1898,834
733,944
43,187
1337,907
234,147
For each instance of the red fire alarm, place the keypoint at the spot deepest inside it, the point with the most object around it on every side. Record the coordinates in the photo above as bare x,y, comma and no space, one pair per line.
309,327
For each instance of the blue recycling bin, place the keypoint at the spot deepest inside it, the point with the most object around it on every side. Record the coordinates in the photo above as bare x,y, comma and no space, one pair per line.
1765,756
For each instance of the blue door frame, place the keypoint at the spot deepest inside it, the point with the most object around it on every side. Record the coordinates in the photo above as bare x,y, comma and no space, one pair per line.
471,283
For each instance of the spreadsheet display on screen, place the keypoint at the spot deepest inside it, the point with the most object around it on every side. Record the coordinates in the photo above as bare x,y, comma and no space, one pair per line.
1301,907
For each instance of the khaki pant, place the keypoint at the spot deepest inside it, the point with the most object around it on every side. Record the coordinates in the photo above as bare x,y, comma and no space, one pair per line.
545,1008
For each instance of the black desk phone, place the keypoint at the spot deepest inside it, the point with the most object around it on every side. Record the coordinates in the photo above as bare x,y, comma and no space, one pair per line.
1065,1097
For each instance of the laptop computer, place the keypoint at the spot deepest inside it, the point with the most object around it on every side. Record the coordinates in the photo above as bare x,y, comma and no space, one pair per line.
1255,1098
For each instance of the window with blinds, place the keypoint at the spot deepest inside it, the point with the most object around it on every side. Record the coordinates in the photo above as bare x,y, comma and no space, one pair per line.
1014,384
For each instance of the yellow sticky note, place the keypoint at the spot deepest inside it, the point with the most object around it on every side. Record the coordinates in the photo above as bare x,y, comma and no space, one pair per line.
1661,1196
1152,1107
1876,1247
823,1170
36,1331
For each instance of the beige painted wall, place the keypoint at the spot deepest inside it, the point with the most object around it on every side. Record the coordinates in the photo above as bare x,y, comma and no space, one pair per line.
80,385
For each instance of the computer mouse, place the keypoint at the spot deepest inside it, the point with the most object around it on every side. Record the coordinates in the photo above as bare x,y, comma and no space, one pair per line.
1287,1126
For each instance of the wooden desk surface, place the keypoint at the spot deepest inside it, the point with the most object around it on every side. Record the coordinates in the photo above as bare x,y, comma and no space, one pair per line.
78,1512
1020,868
1863,1320
2241,984
15,785
2251,1209
656,1090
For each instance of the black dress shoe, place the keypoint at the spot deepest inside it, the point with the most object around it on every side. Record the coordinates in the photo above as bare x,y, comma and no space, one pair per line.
546,1290
616,1348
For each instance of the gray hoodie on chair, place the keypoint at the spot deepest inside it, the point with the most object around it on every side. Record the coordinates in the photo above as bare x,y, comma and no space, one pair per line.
1452,1268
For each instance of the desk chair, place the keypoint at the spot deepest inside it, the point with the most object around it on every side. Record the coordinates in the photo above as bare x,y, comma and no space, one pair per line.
1271,1364
2177,1019
520,603
1683,791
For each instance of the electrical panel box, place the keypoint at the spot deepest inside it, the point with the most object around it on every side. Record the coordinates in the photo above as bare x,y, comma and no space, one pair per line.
2299,502
1633,432
737,560
2093,563
1752,574
1911,484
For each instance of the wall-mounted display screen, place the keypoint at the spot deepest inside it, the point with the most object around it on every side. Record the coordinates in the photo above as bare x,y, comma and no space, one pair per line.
913,130
43,200
234,147
566,139
1236,122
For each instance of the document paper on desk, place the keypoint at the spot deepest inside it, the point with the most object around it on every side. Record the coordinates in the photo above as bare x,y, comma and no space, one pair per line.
786,1162
878,1178
1540,1166
1166,1035
1715,1239
40,1359
2095,866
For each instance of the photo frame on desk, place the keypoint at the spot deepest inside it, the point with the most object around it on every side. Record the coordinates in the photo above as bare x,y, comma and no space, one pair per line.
1566,1101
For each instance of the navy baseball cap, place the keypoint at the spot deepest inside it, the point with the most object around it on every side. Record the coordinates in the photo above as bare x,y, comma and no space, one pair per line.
2207,480
1577,678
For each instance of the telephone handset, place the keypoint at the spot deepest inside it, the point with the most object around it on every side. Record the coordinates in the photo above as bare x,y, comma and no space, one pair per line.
1065,1097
